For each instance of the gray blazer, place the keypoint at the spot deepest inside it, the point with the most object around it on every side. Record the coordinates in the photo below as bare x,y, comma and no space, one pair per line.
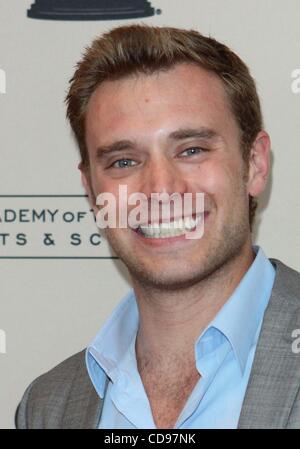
64,398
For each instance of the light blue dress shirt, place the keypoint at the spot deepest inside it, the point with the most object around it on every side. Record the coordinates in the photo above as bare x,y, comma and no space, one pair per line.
224,354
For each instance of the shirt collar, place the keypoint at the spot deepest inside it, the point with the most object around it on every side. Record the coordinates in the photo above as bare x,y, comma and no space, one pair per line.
104,354
237,320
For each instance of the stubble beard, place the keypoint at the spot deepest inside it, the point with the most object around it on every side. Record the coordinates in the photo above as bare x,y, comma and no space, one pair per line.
215,254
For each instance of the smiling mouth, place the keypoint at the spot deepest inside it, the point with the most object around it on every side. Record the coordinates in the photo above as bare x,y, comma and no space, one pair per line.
174,228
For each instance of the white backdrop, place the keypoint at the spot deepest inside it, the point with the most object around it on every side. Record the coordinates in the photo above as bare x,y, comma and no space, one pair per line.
51,307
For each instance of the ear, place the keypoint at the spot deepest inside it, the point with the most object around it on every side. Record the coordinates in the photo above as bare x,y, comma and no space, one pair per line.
259,164
86,182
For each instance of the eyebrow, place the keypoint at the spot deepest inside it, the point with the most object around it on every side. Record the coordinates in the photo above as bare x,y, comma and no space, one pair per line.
180,134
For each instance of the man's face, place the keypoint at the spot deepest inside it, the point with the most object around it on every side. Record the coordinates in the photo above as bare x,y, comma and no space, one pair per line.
146,110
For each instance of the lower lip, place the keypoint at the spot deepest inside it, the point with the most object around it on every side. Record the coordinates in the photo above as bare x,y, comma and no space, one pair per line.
164,241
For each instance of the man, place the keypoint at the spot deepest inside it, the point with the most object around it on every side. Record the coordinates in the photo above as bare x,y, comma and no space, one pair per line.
204,339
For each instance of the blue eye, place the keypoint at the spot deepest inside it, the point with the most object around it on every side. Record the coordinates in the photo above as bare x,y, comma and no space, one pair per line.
192,151
123,163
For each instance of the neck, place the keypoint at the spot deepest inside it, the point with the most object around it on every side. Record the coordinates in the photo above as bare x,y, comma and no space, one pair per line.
171,321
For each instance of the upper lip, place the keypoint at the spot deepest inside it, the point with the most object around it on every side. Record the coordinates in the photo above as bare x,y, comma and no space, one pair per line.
160,220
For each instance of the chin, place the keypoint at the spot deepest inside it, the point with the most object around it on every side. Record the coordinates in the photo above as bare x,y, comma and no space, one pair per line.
169,279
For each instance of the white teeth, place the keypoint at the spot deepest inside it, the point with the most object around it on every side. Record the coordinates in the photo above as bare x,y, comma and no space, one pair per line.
189,223
171,229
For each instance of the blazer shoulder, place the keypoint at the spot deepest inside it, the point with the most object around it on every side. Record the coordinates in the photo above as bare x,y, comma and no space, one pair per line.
287,281
46,402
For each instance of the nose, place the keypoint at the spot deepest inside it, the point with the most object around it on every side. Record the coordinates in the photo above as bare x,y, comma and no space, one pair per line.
161,175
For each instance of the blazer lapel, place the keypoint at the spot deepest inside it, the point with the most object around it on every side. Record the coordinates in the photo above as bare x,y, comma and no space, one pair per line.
275,375
84,406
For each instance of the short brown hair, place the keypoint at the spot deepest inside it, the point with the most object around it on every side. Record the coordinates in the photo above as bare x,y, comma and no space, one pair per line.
141,48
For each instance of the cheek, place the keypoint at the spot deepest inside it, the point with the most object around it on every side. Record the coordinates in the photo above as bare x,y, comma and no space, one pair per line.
222,180
234,193
102,184
208,177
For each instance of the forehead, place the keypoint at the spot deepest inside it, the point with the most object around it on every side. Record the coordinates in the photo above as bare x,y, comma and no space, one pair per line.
184,92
